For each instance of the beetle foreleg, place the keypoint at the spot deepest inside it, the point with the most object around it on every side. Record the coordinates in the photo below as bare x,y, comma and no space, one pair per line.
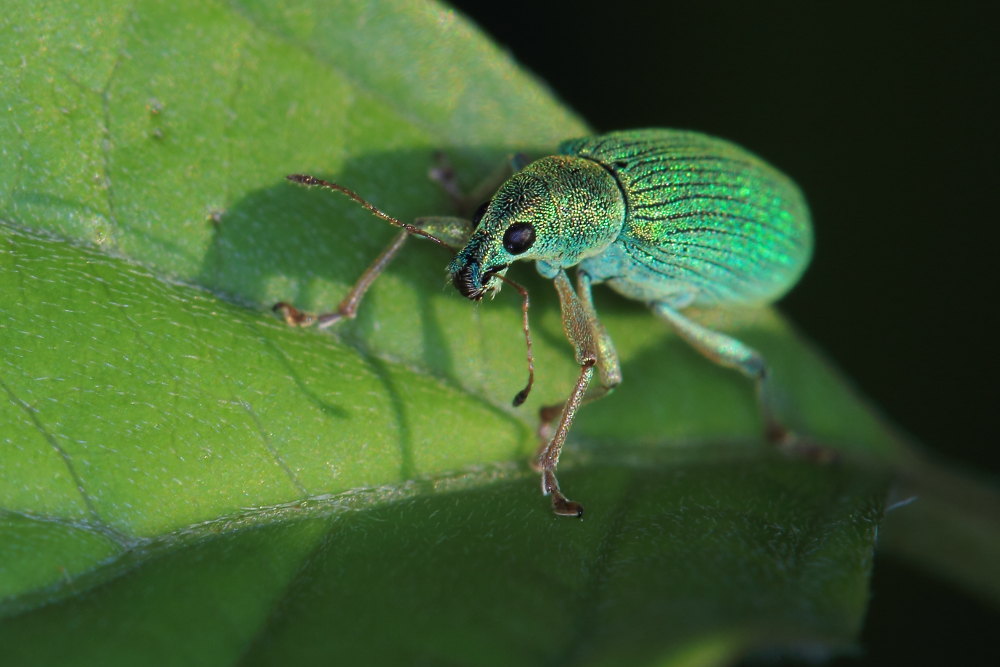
594,349
609,373
548,456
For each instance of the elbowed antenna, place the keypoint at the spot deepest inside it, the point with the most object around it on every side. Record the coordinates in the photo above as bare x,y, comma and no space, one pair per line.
522,395
306,179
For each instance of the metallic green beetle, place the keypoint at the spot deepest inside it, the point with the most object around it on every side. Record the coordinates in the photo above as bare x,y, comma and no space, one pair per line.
667,217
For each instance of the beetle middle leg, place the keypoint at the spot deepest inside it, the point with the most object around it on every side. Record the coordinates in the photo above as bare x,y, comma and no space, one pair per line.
447,231
348,307
731,353
594,349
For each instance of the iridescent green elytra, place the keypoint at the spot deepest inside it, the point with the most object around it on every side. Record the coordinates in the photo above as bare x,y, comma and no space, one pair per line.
667,217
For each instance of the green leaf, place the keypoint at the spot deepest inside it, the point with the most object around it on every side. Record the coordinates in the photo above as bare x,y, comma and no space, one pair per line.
187,480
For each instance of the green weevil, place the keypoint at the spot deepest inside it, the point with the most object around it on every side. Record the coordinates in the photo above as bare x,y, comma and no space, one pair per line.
671,218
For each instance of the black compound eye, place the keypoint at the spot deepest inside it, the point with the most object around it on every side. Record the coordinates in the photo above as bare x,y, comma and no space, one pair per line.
480,212
518,238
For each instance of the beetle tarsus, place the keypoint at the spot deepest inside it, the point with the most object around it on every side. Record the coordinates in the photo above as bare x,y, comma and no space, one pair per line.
806,449
293,316
561,505
792,444
565,507
521,396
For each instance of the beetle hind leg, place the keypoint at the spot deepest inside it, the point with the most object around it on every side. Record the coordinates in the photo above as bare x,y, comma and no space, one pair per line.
732,353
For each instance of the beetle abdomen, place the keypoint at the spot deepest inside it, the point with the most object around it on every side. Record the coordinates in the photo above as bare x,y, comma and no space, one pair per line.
704,216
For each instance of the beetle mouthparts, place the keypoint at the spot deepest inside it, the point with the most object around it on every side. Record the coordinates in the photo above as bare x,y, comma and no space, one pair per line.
492,271
466,282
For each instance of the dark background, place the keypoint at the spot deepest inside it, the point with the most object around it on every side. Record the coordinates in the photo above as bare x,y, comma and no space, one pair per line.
885,115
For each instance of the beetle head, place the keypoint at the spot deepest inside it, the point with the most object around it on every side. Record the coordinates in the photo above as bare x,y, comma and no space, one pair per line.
559,210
